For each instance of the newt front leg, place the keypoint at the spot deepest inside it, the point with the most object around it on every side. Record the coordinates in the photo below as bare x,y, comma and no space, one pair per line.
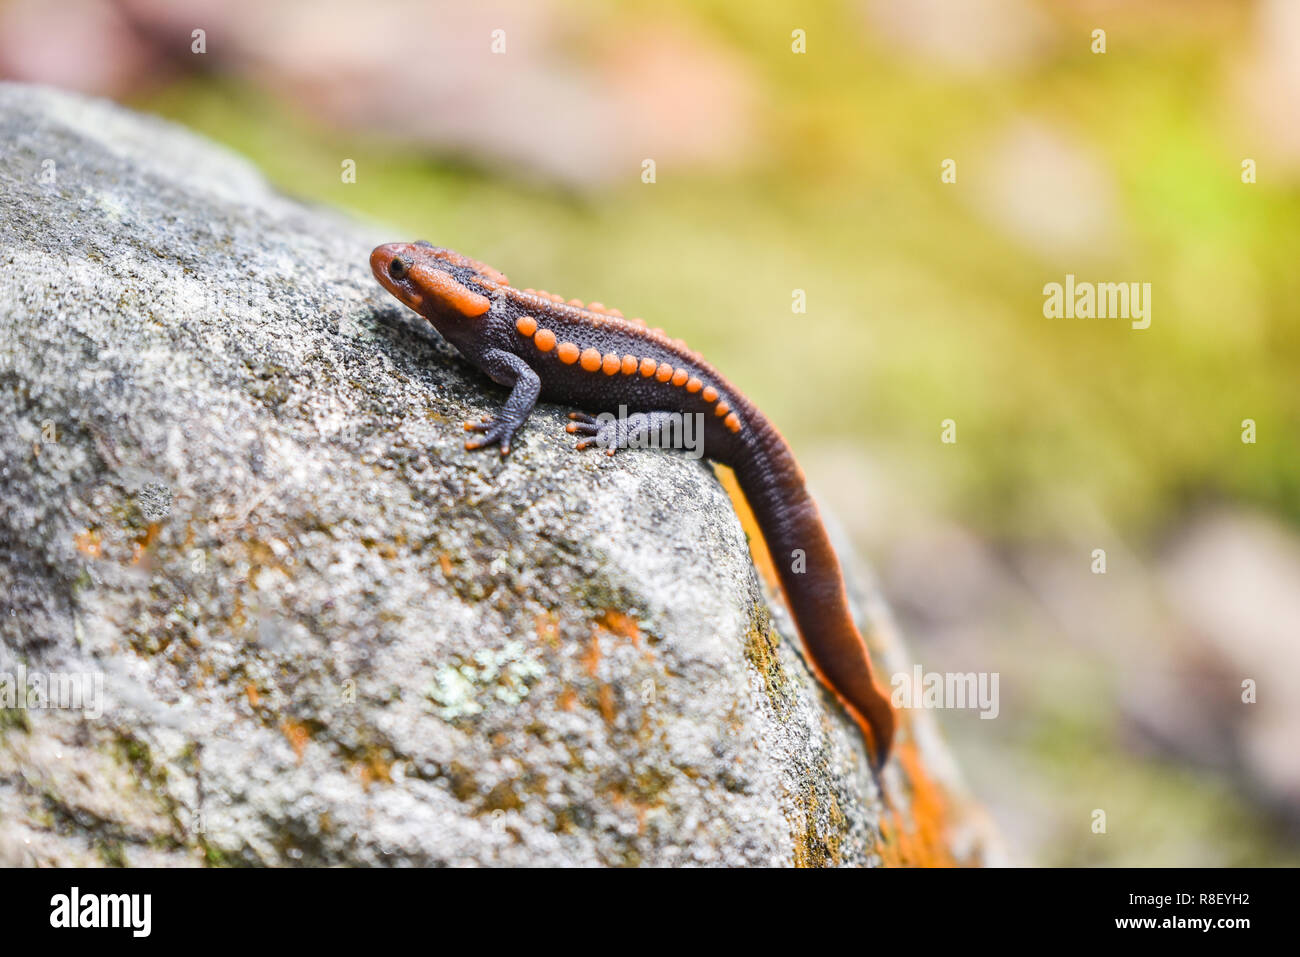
506,369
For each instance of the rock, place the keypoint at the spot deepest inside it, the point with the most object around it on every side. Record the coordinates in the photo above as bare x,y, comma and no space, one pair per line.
233,492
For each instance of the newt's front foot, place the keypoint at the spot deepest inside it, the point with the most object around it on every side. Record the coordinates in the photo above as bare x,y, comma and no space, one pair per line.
496,431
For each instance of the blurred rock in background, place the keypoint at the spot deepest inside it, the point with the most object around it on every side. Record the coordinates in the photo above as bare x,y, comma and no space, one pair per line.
564,100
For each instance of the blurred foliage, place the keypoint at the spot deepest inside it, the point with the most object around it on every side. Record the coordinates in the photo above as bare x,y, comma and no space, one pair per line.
919,309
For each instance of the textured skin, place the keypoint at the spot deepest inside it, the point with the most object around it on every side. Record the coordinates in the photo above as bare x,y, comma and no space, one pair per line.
474,307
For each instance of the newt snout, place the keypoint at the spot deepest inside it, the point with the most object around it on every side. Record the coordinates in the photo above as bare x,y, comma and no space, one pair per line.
392,264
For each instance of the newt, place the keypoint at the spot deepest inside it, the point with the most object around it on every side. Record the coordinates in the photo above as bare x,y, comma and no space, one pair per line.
540,346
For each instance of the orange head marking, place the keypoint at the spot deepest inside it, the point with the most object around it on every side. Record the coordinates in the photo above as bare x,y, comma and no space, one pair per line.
435,282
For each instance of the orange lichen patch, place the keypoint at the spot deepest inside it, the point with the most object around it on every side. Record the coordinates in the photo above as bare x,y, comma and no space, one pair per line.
591,359
665,372
607,704
919,837
254,698
568,353
722,409
88,543
443,287
648,367
591,658
757,545
568,700
694,385
297,734
709,394
526,325
544,340
444,562
548,630
642,795
611,363
624,626
629,365
680,376
732,421
374,768
140,547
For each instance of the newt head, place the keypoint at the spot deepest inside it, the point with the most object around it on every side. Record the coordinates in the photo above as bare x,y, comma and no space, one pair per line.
435,282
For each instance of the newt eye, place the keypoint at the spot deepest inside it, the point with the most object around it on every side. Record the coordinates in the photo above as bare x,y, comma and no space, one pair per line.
398,267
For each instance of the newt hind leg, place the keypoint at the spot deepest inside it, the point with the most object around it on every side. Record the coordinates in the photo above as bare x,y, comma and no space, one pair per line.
611,433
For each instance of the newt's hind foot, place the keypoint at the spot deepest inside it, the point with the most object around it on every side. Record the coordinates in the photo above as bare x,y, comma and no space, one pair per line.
604,435
636,431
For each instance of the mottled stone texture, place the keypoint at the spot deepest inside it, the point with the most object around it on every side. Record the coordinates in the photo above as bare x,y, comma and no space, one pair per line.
232,483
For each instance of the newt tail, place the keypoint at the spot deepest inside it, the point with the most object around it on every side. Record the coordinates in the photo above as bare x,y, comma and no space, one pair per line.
543,347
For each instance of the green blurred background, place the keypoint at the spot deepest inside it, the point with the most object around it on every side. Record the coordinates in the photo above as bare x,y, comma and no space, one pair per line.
820,171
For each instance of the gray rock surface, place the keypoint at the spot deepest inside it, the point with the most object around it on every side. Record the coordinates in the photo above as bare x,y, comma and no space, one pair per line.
232,483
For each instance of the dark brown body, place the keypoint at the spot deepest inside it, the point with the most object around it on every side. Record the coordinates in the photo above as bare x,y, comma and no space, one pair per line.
527,339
